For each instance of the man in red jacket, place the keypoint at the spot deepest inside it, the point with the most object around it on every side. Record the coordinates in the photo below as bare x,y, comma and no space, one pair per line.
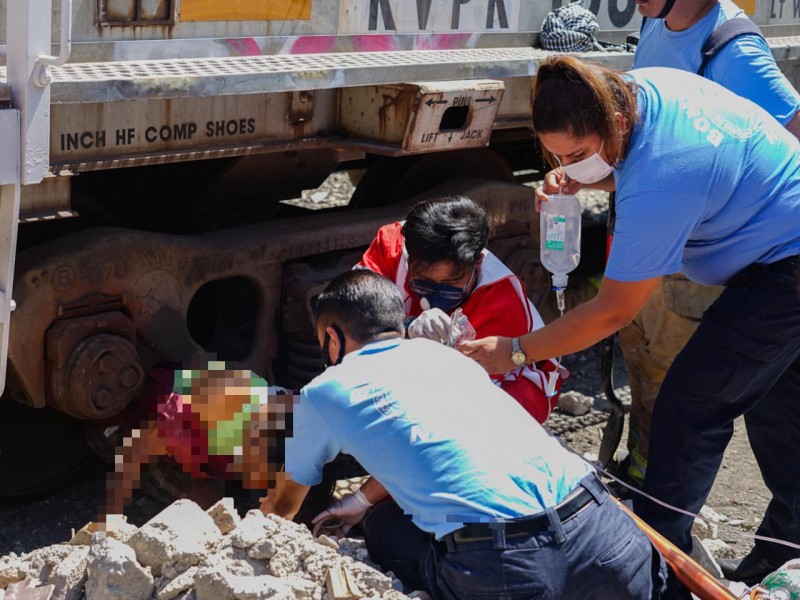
438,261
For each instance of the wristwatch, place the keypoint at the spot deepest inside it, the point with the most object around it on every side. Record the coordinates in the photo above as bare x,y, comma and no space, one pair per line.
517,355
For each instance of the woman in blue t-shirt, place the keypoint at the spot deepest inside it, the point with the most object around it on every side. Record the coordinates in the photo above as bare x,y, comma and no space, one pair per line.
707,183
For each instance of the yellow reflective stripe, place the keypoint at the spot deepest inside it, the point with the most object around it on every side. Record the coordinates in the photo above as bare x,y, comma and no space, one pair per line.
244,10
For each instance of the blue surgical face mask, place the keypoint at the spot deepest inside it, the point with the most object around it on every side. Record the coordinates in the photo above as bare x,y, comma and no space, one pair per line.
441,295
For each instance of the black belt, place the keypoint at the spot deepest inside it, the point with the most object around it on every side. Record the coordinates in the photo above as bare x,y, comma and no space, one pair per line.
578,499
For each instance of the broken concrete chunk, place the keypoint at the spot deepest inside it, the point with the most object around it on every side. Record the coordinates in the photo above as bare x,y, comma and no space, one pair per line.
12,570
254,528
225,515
705,526
236,561
710,514
718,549
217,584
42,562
118,528
575,403
182,535
325,540
29,589
263,550
181,583
370,579
69,576
296,529
114,574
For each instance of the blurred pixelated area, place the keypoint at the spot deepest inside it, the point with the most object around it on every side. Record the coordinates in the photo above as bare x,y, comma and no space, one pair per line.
203,431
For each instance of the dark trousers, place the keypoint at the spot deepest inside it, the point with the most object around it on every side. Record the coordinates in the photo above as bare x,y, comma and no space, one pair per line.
598,553
743,359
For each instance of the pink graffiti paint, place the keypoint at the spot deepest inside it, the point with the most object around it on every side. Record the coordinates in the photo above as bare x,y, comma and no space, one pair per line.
244,46
374,43
313,44
442,41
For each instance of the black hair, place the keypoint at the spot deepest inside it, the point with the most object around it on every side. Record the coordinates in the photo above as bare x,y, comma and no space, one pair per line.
452,229
363,303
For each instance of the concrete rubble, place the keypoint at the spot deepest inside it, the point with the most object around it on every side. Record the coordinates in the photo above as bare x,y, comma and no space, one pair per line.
705,532
575,403
185,553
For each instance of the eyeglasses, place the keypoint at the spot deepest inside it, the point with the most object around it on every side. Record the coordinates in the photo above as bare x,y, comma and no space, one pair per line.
425,287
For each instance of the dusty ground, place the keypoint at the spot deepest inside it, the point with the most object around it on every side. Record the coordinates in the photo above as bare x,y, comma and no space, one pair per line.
738,494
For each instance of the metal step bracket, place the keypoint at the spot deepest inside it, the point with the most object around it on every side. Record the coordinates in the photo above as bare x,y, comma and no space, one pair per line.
24,132
423,116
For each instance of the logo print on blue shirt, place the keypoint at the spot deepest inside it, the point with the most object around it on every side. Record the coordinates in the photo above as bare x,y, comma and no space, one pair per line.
382,399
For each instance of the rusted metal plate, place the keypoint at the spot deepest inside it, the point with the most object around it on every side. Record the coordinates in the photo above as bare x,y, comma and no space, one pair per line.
100,132
453,115
423,117
301,107
49,199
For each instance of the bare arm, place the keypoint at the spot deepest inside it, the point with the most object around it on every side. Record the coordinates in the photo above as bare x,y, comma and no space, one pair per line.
139,448
615,305
373,490
285,499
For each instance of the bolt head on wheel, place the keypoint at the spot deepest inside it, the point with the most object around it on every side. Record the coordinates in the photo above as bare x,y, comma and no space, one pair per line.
101,377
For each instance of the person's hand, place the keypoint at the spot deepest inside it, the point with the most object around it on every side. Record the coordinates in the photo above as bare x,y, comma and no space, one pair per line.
433,324
492,353
349,511
555,182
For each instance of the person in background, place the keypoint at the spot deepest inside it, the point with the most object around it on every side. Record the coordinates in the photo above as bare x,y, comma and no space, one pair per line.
708,184
438,260
485,502
673,35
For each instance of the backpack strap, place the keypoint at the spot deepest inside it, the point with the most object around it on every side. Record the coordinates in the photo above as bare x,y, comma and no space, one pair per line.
723,34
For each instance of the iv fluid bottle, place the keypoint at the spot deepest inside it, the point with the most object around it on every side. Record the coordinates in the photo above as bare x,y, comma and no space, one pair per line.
560,233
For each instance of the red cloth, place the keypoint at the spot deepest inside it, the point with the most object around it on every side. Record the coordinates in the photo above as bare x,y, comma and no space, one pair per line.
497,306
184,435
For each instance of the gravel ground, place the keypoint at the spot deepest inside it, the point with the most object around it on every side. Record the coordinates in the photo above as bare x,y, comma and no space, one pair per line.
738,494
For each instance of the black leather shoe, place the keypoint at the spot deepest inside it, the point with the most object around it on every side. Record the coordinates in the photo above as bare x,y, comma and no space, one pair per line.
750,570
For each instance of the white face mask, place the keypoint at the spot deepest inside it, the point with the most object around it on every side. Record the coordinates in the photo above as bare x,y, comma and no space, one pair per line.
588,170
